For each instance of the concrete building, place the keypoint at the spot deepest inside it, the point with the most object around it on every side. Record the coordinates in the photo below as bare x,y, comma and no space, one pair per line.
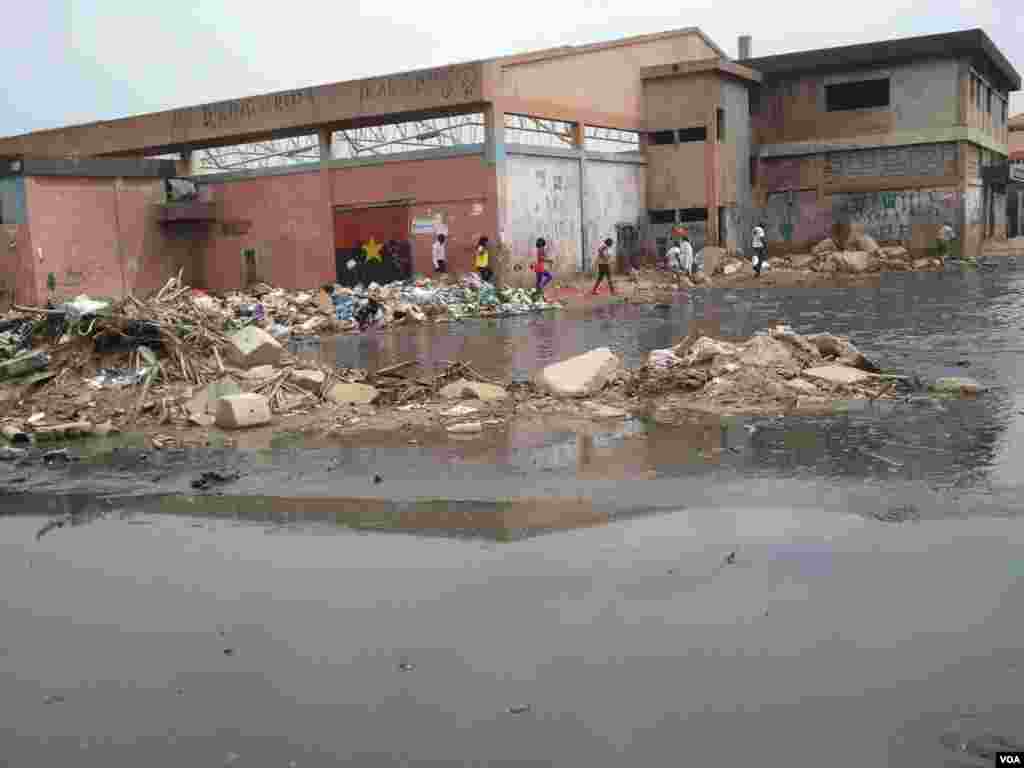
1015,192
623,139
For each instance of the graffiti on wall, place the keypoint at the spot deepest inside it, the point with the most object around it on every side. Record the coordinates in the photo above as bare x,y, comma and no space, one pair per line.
921,160
891,215
797,217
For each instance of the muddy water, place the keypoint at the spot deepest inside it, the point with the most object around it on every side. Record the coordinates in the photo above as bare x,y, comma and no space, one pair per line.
871,614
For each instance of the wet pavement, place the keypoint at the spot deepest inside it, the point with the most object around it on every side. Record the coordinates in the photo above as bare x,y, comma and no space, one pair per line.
569,598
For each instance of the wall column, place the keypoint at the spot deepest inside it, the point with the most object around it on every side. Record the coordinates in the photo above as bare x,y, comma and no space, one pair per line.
586,249
494,156
711,186
326,270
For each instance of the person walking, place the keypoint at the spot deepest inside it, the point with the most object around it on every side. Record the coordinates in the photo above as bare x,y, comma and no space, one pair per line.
604,266
540,267
944,242
757,244
440,255
483,260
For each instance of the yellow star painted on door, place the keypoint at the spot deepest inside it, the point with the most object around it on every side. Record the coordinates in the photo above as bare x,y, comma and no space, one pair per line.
372,250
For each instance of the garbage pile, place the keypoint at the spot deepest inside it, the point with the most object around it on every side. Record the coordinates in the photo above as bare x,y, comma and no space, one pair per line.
776,371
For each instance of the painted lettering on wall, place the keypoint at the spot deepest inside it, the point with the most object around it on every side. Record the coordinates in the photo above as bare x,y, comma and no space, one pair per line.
892,215
240,111
449,84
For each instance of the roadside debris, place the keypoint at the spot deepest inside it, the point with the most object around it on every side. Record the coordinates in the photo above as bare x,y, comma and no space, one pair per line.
207,479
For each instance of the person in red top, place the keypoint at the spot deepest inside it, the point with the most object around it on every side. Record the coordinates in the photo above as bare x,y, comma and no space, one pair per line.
543,276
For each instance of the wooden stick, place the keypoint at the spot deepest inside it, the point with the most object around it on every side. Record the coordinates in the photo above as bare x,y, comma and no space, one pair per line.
392,368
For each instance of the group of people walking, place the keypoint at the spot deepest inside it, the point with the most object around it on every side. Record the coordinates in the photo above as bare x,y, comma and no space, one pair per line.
482,262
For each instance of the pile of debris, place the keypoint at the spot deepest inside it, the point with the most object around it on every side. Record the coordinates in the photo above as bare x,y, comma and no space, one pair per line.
861,255
777,371
337,309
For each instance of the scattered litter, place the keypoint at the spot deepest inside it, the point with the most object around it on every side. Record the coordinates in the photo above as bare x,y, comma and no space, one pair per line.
117,377
207,479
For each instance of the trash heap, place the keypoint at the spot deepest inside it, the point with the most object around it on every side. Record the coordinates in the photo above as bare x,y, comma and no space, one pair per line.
775,371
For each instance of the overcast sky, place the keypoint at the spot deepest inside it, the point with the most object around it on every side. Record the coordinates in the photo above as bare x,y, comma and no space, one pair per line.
66,62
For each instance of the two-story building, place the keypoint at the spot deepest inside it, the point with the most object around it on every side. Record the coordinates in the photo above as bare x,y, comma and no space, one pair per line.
1015,192
624,139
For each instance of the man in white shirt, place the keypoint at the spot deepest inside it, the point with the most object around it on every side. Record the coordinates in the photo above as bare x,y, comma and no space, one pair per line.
757,244
439,255
946,238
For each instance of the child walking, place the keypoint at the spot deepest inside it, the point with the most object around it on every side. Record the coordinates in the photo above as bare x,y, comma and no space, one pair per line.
483,260
540,267
604,266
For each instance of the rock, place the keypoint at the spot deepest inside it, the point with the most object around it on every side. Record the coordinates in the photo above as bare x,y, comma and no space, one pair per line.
806,351
921,263
705,349
309,380
459,410
206,399
845,352
711,258
240,411
826,246
957,385
600,411
201,419
895,252
731,269
580,376
466,428
473,390
766,352
852,262
862,242
803,386
663,358
253,346
260,372
837,374
802,260
352,394
104,429
895,265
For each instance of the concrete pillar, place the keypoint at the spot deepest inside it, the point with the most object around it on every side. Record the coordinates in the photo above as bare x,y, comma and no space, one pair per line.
326,271
495,158
711,185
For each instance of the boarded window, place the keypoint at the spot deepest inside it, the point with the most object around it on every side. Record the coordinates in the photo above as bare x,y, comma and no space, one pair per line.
720,122
693,134
861,94
663,137
693,214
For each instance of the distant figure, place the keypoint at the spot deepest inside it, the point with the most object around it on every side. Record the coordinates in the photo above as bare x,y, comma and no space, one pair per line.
540,267
757,244
483,260
604,266
945,239
674,257
440,255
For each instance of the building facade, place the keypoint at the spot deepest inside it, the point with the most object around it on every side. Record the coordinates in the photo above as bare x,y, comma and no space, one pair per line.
625,139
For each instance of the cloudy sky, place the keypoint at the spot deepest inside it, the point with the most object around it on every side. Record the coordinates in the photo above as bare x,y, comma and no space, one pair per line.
74,61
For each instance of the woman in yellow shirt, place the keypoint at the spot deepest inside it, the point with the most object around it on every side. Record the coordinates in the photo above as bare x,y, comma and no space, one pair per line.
483,260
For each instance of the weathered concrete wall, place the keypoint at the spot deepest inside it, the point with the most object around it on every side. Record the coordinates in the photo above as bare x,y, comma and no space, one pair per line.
100,236
912,217
600,79
739,220
923,97
681,102
280,216
796,218
544,195
676,176
614,194
999,214
919,160
17,279
12,200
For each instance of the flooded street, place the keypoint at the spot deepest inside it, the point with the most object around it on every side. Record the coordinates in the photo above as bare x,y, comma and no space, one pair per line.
775,591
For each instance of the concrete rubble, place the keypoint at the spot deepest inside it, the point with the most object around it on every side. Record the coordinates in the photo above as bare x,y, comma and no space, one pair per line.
579,376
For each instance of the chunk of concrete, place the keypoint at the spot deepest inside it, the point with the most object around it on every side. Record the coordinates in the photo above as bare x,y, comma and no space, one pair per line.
703,350
711,258
922,264
957,385
837,374
205,401
766,352
845,352
261,372
240,411
310,380
852,262
601,411
895,252
352,394
253,346
802,260
466,428
803,386
473,390
826,246
580,376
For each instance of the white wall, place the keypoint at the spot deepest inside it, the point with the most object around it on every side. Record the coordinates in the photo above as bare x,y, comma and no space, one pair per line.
543,200
614,195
